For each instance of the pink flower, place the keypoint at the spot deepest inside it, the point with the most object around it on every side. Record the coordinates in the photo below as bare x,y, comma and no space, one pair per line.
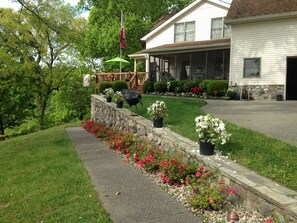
207,174
198,174
211,200
222,182
231,191
140,163
201,169
187,181
269,220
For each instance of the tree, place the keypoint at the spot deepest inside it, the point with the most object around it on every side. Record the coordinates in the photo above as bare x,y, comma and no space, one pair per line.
102,38
43,35
16,99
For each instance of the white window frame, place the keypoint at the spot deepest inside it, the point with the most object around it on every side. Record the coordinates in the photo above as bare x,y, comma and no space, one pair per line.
184,33
248,72
225,30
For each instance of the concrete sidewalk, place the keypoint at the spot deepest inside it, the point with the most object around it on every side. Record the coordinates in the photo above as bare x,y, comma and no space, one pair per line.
140,199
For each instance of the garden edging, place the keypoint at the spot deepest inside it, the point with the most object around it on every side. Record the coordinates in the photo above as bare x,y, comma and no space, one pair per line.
256,192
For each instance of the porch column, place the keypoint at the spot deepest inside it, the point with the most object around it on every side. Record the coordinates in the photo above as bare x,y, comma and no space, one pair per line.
135,65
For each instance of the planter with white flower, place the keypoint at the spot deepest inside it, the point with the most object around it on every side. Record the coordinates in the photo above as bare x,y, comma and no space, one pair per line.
108,93
119,99
157,111
211,132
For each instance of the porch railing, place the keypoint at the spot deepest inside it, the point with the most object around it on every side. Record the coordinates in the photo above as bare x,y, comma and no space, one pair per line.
133,79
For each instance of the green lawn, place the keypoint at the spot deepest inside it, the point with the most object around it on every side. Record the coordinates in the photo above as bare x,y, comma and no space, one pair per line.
269,157
43,180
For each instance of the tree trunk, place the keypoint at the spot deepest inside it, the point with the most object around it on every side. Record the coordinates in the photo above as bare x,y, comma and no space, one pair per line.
42,103
1,128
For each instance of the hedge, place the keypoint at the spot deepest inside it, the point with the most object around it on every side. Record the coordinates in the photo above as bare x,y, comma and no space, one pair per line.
103,85
217,87
119,85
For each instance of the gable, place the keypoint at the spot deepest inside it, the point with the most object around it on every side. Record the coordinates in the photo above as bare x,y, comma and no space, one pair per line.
183,14
252,8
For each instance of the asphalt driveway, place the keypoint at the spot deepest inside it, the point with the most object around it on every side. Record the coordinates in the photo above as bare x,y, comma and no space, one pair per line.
277,119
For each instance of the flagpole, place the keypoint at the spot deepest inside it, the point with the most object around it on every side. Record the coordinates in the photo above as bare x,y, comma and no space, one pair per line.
121,48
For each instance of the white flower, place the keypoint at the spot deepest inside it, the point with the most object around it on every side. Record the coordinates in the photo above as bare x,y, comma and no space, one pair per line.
210,129
108,92
157,109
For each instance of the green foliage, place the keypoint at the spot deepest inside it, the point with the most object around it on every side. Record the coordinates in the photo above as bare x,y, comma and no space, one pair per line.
119,85
204,84
181,85
16,93
188,86
173,86
160,86
148,87
217,87
104,85
43,169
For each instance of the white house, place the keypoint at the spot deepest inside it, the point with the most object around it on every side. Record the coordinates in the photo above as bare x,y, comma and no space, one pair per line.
264,47
192,44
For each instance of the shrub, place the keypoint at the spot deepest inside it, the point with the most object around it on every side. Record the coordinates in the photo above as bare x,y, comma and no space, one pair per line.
203,85
197,83
181,85
148,87
103,85
160,86
119,85
188,86
172,86
217,87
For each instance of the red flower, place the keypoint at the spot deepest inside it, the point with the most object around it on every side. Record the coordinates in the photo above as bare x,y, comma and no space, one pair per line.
269,220
231,191
187,181
140,163
211,200
222,182
198,174
201,169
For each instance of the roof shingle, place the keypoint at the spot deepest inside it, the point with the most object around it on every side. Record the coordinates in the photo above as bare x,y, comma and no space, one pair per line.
251,8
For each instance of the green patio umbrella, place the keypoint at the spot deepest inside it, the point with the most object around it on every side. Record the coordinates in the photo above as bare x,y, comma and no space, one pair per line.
117,60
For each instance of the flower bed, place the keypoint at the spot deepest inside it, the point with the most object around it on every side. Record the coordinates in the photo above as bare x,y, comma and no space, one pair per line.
205,190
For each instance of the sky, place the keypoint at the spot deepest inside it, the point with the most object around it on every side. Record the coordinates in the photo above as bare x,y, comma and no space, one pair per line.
11,4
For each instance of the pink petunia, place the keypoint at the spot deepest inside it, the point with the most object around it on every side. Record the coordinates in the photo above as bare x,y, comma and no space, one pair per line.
269,220
231,191
198,174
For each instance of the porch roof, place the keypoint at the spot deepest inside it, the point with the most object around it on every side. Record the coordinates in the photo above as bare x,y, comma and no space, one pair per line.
187,47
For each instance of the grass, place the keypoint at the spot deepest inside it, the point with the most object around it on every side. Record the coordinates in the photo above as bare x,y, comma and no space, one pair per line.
43,180
269,157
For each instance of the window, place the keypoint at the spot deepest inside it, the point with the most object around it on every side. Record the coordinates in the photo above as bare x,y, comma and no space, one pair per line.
219,29
184,32
252,67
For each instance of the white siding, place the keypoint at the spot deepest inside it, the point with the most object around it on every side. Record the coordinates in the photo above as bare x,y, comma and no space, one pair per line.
272,41
201,14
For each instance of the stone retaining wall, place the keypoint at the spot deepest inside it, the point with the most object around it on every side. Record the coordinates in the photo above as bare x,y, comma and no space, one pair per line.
256,192
262,92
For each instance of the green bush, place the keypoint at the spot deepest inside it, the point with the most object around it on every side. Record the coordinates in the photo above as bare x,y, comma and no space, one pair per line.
188,86
217,87
103,85
160,86
181,85
173,85
203,85
119,85
197,83
148,87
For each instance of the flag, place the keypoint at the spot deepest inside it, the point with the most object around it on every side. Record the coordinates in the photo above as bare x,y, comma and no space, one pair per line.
122,36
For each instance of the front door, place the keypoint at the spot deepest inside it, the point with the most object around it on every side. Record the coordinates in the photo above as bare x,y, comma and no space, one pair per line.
291,88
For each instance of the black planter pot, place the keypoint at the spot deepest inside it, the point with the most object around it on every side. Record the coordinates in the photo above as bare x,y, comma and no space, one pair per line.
120,104
206,148
158,122
108,99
